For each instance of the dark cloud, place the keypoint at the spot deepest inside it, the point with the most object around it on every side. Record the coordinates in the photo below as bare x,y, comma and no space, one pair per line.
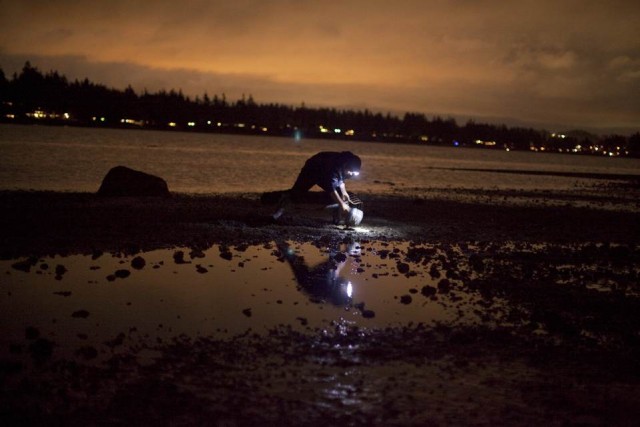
575,62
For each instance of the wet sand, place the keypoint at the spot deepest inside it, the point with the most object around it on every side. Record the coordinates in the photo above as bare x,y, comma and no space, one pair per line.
554,336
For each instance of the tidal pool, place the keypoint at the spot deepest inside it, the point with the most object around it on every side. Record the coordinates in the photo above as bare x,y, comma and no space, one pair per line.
88,306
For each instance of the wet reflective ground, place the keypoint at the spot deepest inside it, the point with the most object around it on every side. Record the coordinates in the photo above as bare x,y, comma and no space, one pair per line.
85,301
89,306
364,332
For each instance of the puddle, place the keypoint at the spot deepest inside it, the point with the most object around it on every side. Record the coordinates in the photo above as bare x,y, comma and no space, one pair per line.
92,306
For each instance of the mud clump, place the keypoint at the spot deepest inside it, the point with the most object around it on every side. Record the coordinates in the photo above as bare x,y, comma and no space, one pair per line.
60,271
178,257
428,291
225,253
25,265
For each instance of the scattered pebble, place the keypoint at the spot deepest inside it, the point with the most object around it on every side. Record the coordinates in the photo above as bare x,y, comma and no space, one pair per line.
178,257
122,274
428,291
403,267
368,314
406,299
25,265
225,253
138,263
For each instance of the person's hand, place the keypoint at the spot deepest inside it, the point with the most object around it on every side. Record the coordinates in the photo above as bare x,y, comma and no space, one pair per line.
345,207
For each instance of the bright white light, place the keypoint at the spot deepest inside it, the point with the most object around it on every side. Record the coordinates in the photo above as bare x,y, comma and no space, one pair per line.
349,289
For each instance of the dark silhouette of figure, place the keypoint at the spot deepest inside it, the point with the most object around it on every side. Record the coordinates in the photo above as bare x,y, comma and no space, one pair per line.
322,282
328,170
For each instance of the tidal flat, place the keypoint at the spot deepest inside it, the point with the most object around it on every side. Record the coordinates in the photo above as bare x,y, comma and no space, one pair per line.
463,307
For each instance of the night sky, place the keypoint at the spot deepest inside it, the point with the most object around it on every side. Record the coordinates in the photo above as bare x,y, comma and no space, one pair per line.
564,64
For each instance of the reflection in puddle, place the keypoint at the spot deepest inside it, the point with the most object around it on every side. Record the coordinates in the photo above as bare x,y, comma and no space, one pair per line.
92,306
322,282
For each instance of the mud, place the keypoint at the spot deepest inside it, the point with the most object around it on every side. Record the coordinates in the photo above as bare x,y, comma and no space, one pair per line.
539,293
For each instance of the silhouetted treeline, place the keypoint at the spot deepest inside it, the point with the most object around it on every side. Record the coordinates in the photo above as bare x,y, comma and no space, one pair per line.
32,96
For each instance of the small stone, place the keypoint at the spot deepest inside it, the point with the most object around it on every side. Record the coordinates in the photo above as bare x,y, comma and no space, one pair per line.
406,299
138,263
444,286
122,274
428,291
403,267
247,312
196,253
340,257
25,265
178,257
60,270
368,314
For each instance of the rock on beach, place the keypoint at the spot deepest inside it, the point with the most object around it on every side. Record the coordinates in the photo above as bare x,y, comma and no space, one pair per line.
123,181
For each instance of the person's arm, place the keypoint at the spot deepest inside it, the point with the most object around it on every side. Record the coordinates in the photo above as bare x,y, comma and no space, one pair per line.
339,199
345,195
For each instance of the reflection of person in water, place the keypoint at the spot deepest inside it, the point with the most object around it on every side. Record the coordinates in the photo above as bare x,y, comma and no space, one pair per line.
323,281
328,170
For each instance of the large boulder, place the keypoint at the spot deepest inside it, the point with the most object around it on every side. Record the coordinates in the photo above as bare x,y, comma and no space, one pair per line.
123,181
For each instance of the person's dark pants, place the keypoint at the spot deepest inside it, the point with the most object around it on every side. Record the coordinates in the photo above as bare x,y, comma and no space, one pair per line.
307,178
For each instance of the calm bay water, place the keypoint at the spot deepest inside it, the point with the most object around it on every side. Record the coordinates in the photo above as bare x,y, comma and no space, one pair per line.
76,159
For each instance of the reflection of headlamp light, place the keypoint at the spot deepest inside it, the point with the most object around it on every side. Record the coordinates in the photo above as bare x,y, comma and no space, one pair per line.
354,173
349,289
